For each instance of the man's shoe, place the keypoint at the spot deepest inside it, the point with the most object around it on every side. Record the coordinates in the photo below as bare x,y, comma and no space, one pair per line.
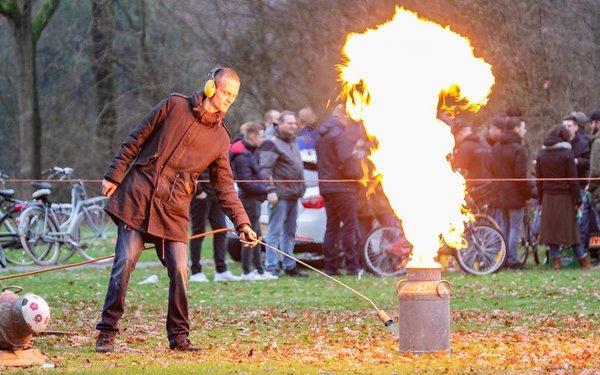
295,272
251,276
584,263
556,264
226,276
199,277
105,343
266,275
185,345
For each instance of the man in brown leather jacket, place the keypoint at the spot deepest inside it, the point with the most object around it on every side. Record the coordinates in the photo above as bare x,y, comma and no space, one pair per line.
151,182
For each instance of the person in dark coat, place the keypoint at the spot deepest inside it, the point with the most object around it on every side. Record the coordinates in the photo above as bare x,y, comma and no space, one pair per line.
336,160
473,157
594,185
580,142
495,130
246,168
205,207
509,160
560,199
581,148
150,184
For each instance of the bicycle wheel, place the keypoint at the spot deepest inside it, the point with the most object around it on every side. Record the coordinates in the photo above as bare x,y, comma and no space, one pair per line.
386,252
11,244
95,232
482,219
485,252
36,231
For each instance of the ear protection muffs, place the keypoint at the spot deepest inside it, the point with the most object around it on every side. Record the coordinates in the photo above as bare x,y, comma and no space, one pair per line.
210,87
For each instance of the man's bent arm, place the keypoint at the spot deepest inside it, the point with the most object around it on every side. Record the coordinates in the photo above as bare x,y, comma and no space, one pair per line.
131,146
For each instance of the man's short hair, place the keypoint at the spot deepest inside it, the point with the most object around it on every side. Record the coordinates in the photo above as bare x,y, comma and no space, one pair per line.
570,117
271,113
581,118
226,72
595,116
252,127
286,113
498,122
306,111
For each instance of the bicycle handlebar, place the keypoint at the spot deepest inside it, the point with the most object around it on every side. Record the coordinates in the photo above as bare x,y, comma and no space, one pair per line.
64,172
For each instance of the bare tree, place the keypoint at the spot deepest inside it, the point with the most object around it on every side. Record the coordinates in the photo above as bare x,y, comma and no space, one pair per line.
26,30
102,65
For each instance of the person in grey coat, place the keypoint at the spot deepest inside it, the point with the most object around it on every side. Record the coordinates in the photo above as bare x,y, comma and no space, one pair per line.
280,160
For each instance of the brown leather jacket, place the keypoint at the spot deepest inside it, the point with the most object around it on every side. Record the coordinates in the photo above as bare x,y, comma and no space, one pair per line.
159,163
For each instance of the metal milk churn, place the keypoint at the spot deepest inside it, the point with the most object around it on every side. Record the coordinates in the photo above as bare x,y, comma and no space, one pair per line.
424,311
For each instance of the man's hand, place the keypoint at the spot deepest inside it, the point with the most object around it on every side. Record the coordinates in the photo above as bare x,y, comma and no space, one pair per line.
248,236
108,187
272,198
202,195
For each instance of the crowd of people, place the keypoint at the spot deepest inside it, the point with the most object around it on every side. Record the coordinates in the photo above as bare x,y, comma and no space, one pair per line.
150,189
267,153
565,187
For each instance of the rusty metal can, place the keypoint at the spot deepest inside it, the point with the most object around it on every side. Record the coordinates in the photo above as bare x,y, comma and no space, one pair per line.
424,311
20,318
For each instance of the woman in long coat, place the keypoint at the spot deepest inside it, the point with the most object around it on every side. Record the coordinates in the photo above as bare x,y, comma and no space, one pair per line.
560,199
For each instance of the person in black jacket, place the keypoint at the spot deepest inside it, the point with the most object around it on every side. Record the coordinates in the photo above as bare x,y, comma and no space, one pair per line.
205,207
560,199
509,160
473,157
581,148
243,155
336,160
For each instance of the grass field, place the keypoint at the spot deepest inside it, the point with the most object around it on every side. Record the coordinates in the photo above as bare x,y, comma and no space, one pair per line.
532,321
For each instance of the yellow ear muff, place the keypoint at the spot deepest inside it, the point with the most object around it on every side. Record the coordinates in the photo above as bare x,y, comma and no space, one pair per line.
210,87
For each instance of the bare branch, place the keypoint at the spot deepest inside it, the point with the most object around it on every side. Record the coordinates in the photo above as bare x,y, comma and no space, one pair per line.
42,17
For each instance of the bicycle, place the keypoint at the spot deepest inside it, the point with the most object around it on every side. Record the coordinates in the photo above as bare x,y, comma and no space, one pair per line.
88,230
386,250
11,250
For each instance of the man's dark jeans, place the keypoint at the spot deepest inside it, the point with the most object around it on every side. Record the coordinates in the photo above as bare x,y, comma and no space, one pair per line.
130,243
252,256
200,211
341,208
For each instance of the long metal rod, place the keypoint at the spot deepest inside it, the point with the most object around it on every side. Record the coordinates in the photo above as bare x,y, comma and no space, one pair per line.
318,271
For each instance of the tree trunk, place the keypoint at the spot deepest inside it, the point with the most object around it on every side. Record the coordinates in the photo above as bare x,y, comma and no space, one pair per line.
102,65
30,128
148,70
26,31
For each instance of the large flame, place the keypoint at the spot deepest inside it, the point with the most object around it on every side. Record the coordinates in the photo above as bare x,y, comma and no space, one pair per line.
394,78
